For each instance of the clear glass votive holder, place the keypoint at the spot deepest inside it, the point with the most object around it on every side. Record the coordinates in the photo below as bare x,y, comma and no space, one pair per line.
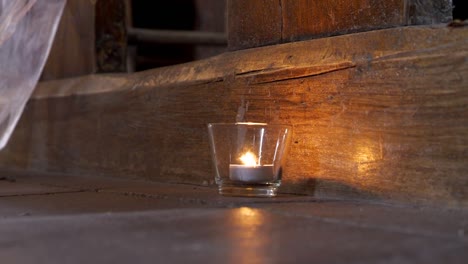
248,157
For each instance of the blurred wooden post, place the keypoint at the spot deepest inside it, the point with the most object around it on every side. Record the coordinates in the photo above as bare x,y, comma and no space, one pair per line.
111,36
91,38
131,49
73,52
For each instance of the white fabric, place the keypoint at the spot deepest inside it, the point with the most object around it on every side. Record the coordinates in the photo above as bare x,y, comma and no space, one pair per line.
27,28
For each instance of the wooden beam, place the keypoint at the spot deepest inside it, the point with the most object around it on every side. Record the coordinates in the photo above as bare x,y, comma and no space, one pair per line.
304,19
376,115
260,23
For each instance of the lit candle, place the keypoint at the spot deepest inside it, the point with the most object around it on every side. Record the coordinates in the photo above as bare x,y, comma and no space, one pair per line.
250,171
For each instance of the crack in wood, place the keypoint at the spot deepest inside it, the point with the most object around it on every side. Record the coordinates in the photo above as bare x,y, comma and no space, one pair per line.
290,73
40,194
254,72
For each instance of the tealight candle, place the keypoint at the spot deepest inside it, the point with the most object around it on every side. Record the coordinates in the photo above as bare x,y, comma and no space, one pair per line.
251,174
250,171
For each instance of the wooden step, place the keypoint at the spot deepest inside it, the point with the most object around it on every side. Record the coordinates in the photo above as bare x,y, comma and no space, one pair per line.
376,115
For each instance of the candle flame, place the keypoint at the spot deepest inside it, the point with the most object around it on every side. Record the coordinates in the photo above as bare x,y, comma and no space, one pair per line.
249,159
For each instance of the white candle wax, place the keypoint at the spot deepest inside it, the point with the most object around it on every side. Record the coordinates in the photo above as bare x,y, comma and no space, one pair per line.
251,174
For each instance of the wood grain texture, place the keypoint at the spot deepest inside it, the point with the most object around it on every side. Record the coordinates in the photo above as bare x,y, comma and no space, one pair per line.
253,23
376,115
72,52
306,19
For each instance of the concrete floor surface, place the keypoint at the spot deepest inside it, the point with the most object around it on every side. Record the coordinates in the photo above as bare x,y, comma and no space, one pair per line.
59,219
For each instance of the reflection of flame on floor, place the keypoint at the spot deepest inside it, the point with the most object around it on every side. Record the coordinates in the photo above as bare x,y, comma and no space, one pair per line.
249,235
247,217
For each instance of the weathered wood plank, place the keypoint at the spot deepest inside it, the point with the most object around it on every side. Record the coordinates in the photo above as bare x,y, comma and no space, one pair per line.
379,114
259,23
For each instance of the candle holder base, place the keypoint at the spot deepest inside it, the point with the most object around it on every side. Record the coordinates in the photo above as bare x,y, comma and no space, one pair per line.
249,190
248,158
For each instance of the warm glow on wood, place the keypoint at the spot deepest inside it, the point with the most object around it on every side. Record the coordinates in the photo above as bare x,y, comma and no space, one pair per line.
249,159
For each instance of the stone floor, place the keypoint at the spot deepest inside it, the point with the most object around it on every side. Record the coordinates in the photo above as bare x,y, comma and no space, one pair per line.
59,219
